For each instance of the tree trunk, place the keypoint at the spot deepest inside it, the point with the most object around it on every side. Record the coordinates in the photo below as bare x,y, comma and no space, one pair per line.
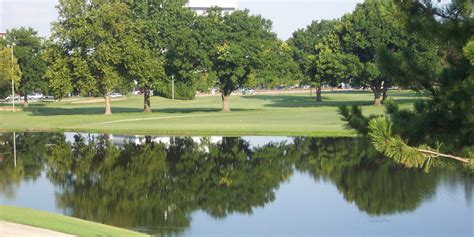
384,95
318,94
377,96
108,109
146,100
25,101
225,102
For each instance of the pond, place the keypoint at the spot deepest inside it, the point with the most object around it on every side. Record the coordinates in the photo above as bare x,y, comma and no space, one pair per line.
244,186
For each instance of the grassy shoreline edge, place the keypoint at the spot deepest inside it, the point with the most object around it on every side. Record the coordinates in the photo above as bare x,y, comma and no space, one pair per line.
60,223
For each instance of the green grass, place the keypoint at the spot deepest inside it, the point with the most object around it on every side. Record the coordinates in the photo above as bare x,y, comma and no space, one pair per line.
60,223
292,115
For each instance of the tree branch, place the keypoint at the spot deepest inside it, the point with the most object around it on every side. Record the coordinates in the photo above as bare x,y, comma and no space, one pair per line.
443,155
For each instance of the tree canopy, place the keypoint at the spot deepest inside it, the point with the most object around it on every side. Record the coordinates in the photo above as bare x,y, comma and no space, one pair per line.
234,43
29,52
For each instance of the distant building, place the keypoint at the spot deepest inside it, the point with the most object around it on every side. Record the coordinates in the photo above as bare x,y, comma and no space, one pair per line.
3,35
201,6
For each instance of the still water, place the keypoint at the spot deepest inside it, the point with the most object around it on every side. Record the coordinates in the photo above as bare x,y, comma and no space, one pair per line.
241,186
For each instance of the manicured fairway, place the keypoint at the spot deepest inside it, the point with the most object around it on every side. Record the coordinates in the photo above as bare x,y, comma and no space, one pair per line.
60,223
251,115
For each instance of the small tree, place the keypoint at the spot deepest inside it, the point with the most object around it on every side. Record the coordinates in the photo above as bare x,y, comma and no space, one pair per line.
9,71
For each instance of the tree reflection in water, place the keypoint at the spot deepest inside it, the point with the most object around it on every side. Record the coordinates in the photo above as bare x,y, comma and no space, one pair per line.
375,184
156,186
31,149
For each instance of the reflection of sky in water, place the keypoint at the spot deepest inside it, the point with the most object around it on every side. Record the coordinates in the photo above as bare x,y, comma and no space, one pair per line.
255,141
304,206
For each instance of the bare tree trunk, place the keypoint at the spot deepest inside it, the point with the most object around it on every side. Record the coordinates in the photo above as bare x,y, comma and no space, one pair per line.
146,100
108,109
225,102
318,94
377,96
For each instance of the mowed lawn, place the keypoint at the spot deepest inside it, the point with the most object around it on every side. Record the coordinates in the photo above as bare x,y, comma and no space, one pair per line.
287,114
61,223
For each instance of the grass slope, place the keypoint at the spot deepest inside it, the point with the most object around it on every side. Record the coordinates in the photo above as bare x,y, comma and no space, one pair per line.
297,115
60,223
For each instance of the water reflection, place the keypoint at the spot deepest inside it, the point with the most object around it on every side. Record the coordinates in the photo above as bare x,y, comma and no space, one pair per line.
156,184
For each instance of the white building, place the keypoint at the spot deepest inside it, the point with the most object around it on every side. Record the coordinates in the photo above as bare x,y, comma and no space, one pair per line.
201,6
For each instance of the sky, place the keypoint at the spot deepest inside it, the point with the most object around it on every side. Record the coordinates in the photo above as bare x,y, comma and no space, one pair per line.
287,15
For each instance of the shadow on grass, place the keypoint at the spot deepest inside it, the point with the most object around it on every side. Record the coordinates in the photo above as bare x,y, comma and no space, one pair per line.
40,110
53,111
291,101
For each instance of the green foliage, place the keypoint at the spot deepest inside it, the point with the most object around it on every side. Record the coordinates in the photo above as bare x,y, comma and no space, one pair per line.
373,26
182,91
96,44
304,44
277,66
58,75
380,132
9,71
355,119
438,64
28,50
233,43
469,51
346,50
169,31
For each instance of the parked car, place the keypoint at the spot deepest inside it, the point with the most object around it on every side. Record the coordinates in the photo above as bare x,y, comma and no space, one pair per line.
115,95
35,96
248,91
9,98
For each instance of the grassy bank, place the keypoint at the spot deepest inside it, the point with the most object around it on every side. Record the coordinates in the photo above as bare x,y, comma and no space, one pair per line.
297,115
60,223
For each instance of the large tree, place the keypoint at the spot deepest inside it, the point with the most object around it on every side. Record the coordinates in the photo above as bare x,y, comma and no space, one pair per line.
277,66
10,71
233,43
315,46
28,50
374,25
95,38
170,32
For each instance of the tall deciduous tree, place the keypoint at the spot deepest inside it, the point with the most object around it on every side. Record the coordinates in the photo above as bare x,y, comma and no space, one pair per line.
169,31
28,50
308,43
95,37
374,25
234,42
277,66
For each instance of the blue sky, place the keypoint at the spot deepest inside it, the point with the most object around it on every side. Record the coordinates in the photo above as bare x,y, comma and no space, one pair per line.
287,15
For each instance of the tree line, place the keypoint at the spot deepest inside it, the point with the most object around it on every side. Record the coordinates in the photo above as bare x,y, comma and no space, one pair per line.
97,47
101,46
